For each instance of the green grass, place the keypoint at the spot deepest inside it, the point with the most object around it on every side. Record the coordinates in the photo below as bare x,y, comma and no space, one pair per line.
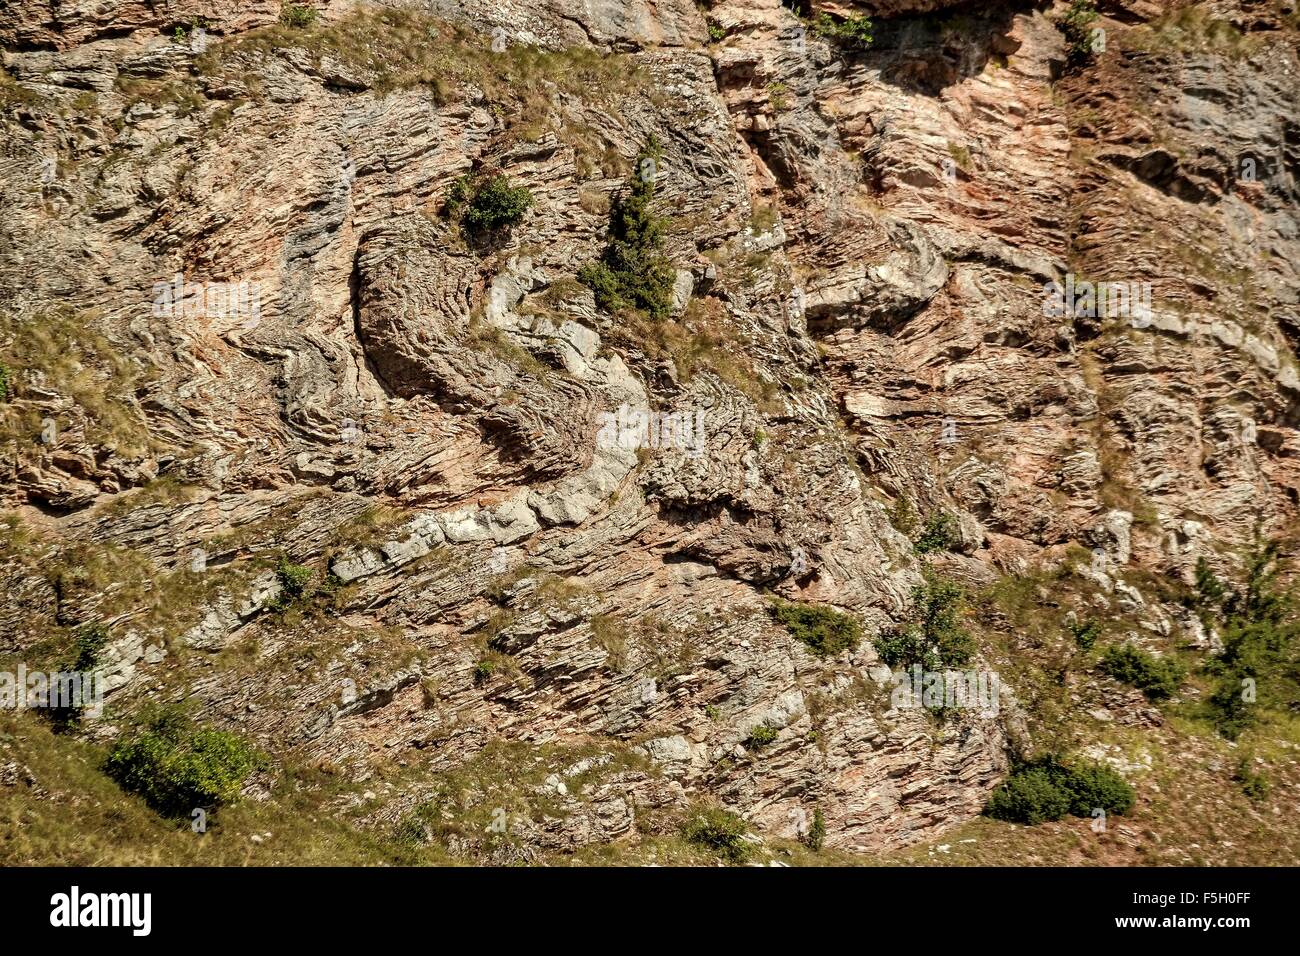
824,630
720,832
66,351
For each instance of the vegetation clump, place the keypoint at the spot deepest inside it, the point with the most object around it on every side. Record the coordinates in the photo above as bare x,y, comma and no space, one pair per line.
1085,634
633,272
762,735
939,534
825,630
935,637
1157,677
1076,24
295,582
178,766
1047,789
297,15
852,31
720,832
487,205
816,837
1256,672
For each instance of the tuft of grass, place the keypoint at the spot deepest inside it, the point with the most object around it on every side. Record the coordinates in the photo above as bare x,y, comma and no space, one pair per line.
720,832
824,630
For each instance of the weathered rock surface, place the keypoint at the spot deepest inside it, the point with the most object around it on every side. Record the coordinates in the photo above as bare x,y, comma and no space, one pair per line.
864,239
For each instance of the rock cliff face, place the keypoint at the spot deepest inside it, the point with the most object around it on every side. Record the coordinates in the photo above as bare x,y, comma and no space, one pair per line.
240,328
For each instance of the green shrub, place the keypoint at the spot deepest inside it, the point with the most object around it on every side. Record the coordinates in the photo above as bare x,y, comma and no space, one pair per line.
484,669
1210,591
939,534
851,31
1254,785
1076,24
1028,796
633,273
297,16
1085,634
824,630
177,766
934,638
1092,785
488,204
5,379
816,838
719,832
1259,667
89,644
295,579
760,736
1048,789
1156,677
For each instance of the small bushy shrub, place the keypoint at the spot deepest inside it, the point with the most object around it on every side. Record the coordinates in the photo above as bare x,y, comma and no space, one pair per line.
1085,634
939,534
1253,784
295,579
719,832
825,630
1047,789
760,737
297,15
1028,796
1156,677
1076,24
816,838
89,644
1256,673
852,31
489,204
177,766
1095,785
